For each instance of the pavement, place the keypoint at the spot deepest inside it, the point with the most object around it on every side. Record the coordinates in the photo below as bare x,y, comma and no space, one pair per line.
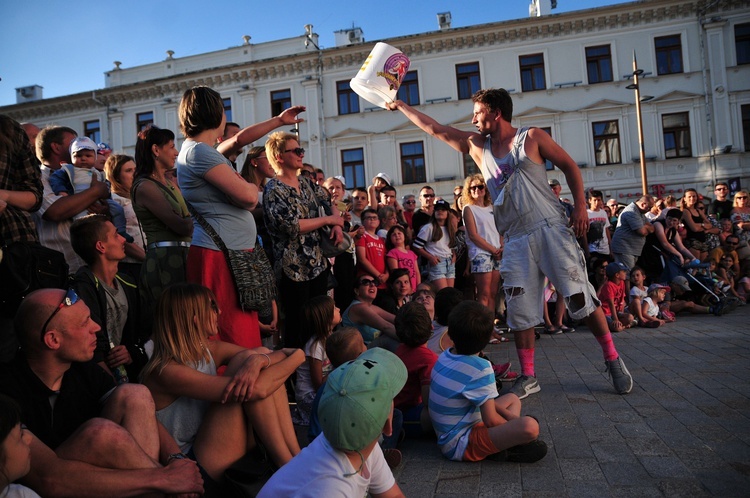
684,430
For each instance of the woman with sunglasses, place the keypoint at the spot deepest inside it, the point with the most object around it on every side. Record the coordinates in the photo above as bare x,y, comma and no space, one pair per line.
216,418
292,216
224,199
741,220
374,323
484,241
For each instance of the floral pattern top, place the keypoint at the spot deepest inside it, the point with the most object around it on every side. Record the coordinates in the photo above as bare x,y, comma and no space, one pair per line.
740,217
297,255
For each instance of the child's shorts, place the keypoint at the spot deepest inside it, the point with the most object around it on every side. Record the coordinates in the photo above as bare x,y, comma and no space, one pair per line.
413,421
483,263
444,269
480,445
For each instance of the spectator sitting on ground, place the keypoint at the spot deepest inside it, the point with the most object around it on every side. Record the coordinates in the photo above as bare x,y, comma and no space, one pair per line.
216,418
728,247
104,441
413,327
15,451
681,298
638,292
612,297
471,421
356,406
650,309
374,323
445,300
113,298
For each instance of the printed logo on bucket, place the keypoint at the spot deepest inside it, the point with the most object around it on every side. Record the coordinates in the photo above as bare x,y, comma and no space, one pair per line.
394,70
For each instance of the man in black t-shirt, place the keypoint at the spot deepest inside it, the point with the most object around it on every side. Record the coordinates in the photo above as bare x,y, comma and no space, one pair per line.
89,438
721,207
426,204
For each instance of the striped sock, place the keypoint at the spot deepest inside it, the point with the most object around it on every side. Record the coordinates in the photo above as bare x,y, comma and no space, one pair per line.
526,357
608,346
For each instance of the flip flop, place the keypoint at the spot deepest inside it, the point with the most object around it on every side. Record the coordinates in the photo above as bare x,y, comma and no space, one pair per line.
498,340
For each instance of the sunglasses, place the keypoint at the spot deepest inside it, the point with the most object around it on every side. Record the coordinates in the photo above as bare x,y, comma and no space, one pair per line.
476,187
701,208
721,188
299,151
428,196
741,197
69,300
368,282
410,202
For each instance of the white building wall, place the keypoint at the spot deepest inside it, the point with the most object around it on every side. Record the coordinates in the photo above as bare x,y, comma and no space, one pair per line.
248,74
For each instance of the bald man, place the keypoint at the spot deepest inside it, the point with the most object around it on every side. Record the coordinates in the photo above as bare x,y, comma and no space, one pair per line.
90,438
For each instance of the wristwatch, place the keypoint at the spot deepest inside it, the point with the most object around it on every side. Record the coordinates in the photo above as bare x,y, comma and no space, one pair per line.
177,456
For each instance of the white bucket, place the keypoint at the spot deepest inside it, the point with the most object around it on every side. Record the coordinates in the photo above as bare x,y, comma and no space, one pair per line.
380,76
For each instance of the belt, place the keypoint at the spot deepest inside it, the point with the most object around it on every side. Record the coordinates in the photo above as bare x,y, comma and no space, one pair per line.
168,243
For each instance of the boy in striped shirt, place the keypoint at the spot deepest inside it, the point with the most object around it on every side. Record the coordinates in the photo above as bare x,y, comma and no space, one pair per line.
471,421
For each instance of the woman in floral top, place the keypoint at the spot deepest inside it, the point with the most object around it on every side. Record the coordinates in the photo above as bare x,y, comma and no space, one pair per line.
290,204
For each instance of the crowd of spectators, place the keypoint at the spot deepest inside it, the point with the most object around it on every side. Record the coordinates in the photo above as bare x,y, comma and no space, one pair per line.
162,382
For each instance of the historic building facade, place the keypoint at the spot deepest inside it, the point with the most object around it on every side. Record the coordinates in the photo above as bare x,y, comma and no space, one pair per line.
568,73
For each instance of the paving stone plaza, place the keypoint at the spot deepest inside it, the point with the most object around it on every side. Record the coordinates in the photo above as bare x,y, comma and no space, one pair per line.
683,431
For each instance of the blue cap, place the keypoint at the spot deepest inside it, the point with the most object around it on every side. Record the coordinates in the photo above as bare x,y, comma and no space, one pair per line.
615,267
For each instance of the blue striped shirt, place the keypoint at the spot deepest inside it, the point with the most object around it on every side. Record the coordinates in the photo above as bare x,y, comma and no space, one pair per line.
460,385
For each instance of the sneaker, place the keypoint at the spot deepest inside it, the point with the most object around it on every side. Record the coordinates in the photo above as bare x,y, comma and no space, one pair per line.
392,457
524,386
723,307
527,453
620,376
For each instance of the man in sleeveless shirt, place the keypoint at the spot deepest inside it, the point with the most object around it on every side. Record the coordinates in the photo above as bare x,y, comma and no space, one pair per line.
539,240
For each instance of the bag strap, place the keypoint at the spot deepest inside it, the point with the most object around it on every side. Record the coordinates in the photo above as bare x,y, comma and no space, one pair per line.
141,179
209,230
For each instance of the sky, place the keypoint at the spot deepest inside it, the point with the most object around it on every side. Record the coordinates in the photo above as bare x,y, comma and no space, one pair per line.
66,47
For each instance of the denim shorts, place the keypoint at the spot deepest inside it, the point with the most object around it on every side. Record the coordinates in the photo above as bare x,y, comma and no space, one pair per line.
483,263
444,269
550,250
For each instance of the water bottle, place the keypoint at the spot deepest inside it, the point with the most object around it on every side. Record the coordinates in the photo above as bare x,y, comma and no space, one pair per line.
121,375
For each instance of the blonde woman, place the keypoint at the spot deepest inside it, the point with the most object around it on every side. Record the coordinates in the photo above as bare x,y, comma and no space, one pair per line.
214,417
120,172
741,219
484,241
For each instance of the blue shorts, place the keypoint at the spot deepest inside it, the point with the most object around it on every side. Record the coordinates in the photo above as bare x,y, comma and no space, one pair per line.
484,263
444,269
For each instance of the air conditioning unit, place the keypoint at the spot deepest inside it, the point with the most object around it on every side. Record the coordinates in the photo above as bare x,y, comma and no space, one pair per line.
28,94
444,20
349,36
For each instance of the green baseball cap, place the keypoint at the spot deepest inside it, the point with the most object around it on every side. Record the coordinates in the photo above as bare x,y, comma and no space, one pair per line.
357,398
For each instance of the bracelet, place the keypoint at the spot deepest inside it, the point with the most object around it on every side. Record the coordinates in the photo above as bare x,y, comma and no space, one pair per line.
268,358
176,456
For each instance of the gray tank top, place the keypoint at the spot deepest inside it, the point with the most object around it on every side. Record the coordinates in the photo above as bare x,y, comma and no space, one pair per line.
522,197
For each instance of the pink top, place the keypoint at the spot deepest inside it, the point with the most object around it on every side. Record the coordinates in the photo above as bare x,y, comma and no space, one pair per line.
407,260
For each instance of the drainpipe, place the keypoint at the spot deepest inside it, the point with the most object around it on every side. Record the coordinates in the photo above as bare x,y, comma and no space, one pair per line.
706,100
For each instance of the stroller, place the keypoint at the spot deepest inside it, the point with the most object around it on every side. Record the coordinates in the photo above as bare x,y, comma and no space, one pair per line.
697,275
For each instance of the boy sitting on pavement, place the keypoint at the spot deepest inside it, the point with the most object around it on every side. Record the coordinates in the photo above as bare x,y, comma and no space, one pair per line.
612,296
473,423
346,460
413,328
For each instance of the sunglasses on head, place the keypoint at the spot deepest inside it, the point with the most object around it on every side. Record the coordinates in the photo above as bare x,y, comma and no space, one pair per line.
299,151
69,300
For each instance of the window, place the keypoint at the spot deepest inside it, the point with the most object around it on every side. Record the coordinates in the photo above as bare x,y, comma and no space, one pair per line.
742,43
348,100
227,108
547,163
599,64
280,101
676,128
92,130
409,89
470,167
668,54
606,142
532,72
143,119
746,125
467,79
353,167
412,162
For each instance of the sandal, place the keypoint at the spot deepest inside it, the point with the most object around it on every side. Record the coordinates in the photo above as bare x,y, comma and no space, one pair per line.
498,340
552,330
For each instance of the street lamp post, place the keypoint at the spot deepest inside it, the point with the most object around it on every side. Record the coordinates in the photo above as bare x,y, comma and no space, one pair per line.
635,86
